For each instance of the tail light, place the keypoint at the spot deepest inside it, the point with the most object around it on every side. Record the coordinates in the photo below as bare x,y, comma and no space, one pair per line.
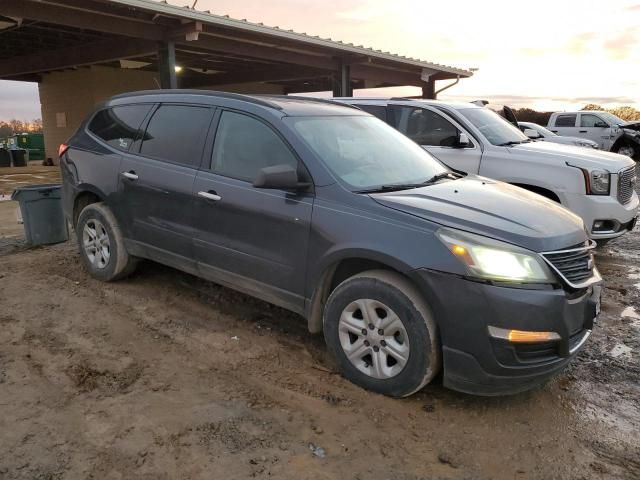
62,149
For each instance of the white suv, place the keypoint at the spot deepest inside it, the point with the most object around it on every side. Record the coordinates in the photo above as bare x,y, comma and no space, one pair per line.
608,131
598,186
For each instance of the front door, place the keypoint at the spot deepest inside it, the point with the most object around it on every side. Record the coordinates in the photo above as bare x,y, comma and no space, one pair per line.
438,134
248,238
594,128
156,183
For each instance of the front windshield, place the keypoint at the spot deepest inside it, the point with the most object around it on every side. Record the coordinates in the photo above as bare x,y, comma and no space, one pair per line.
365,152
611,118
495,128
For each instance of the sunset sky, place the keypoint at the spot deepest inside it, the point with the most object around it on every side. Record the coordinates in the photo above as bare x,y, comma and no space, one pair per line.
549,55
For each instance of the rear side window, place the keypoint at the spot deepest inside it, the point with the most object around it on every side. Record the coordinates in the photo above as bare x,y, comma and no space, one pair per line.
244,145
566,121
176,133
425,127
375,110
119,126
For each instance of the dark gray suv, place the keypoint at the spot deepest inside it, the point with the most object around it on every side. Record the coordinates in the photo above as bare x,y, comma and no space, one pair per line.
407,267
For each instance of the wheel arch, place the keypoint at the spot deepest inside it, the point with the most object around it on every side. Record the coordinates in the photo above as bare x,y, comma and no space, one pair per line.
543,191
86,195
338,268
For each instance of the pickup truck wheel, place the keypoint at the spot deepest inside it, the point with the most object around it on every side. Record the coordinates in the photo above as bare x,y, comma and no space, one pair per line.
625,149
382,334
101,244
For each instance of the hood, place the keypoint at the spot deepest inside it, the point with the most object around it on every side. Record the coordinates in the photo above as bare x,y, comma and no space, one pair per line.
635,125
574,155
493,209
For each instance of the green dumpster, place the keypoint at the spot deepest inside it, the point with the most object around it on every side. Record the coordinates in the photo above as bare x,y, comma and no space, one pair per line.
33,143
42,214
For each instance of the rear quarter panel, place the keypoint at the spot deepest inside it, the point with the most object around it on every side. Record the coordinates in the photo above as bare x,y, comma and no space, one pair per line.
88,166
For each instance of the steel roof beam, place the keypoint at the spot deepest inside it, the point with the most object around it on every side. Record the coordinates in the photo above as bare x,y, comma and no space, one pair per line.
80,55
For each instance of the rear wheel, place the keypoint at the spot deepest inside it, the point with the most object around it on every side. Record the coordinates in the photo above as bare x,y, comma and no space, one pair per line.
382,334
101,244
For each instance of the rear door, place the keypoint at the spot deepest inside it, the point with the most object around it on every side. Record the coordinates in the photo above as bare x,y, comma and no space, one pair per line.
249,238
156,183
594,128
438,134
565,124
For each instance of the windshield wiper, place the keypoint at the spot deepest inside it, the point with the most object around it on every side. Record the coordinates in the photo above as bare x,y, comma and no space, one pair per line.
390,188
512,142
440,176
406,186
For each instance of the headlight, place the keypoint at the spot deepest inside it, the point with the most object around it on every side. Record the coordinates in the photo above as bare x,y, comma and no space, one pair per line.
598,182
494,260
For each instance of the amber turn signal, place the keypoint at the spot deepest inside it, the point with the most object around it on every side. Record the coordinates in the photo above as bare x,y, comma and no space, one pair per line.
523,336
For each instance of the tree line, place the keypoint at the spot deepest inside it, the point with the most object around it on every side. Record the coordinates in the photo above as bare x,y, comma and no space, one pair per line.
12,127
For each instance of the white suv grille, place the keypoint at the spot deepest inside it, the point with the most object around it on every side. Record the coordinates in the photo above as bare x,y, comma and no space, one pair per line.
626,184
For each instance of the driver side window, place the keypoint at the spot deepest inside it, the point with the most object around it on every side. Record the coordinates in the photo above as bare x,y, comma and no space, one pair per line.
590,121
425,127
243,146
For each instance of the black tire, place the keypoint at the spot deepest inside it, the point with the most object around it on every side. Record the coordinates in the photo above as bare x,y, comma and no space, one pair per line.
396,292
628,150
119,264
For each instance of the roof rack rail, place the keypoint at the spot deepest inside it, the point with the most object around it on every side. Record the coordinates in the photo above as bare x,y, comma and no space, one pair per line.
209,93
329,101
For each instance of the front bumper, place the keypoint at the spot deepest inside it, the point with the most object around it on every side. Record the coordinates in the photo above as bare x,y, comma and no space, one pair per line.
476,363
594,208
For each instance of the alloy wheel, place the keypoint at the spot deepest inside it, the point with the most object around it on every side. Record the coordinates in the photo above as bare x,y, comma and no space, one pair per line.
96,244
374,338
626,150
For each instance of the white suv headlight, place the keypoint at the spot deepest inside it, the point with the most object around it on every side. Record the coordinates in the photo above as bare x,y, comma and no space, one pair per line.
599,182
494,260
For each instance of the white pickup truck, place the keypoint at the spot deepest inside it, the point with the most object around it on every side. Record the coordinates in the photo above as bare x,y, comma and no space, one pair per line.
610,132
598,186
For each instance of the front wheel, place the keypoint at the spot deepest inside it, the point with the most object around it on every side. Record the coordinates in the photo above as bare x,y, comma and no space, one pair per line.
382,334
626,149
101,244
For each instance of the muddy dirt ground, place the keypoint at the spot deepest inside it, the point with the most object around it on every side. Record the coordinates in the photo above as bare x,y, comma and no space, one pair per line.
165,376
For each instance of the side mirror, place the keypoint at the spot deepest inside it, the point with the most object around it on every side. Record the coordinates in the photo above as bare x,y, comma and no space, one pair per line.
531,133
281,177
463,140
601,125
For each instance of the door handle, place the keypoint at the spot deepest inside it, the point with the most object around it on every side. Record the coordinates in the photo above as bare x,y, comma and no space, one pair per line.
210,195
130,175
582,131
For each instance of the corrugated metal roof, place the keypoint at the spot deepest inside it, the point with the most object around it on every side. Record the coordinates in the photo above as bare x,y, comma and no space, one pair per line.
206,17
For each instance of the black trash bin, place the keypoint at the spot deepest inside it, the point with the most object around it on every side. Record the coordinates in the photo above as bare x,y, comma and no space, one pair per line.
19,158
42,214
5,157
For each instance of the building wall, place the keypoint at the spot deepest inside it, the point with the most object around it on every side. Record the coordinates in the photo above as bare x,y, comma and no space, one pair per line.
72,95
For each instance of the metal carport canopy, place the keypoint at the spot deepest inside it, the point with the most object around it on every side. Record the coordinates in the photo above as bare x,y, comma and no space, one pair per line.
213,49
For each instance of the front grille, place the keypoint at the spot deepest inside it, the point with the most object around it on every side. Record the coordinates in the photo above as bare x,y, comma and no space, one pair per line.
626,184
574,264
